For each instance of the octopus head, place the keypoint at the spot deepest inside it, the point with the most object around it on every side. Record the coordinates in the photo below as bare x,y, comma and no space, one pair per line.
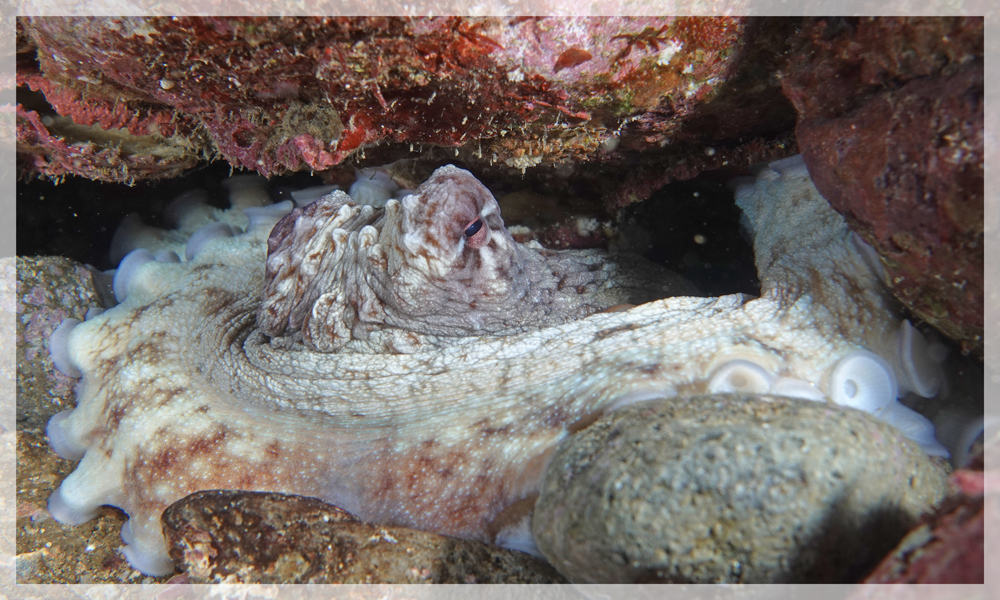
439,261
451,230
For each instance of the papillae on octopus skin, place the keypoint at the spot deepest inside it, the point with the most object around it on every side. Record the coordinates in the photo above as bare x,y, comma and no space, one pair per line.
438,263
416,366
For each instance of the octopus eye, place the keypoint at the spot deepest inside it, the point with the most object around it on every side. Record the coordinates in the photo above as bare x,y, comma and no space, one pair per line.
473,228
477,234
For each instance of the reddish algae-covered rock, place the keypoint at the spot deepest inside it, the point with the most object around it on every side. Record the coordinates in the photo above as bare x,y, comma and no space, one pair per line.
278,95
891,126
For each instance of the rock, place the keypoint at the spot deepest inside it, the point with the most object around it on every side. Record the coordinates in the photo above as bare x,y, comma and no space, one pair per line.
948,547
891,126
244,537
731,489
8,329
304,94
146,98
49,289
8,484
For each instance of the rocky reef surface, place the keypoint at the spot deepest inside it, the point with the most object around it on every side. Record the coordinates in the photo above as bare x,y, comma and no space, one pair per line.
887,113
129,99
891,124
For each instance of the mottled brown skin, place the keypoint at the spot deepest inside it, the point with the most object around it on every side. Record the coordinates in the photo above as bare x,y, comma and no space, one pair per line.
440,262
187,387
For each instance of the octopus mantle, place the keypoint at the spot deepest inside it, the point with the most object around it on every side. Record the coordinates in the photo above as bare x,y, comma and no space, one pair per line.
182,390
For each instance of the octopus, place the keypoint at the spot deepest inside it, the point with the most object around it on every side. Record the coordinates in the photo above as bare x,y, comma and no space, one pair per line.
414,365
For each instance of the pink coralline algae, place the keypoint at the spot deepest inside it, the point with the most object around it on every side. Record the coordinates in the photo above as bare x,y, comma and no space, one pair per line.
127,99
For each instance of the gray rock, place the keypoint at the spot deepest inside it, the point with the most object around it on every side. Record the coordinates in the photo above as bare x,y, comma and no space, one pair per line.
731,489
49,289
8,314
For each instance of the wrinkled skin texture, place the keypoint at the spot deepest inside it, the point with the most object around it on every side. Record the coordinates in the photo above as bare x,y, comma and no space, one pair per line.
183,390
440,262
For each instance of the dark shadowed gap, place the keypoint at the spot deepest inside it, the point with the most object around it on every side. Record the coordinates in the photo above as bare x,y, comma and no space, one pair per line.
77,217
693,227
690,227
